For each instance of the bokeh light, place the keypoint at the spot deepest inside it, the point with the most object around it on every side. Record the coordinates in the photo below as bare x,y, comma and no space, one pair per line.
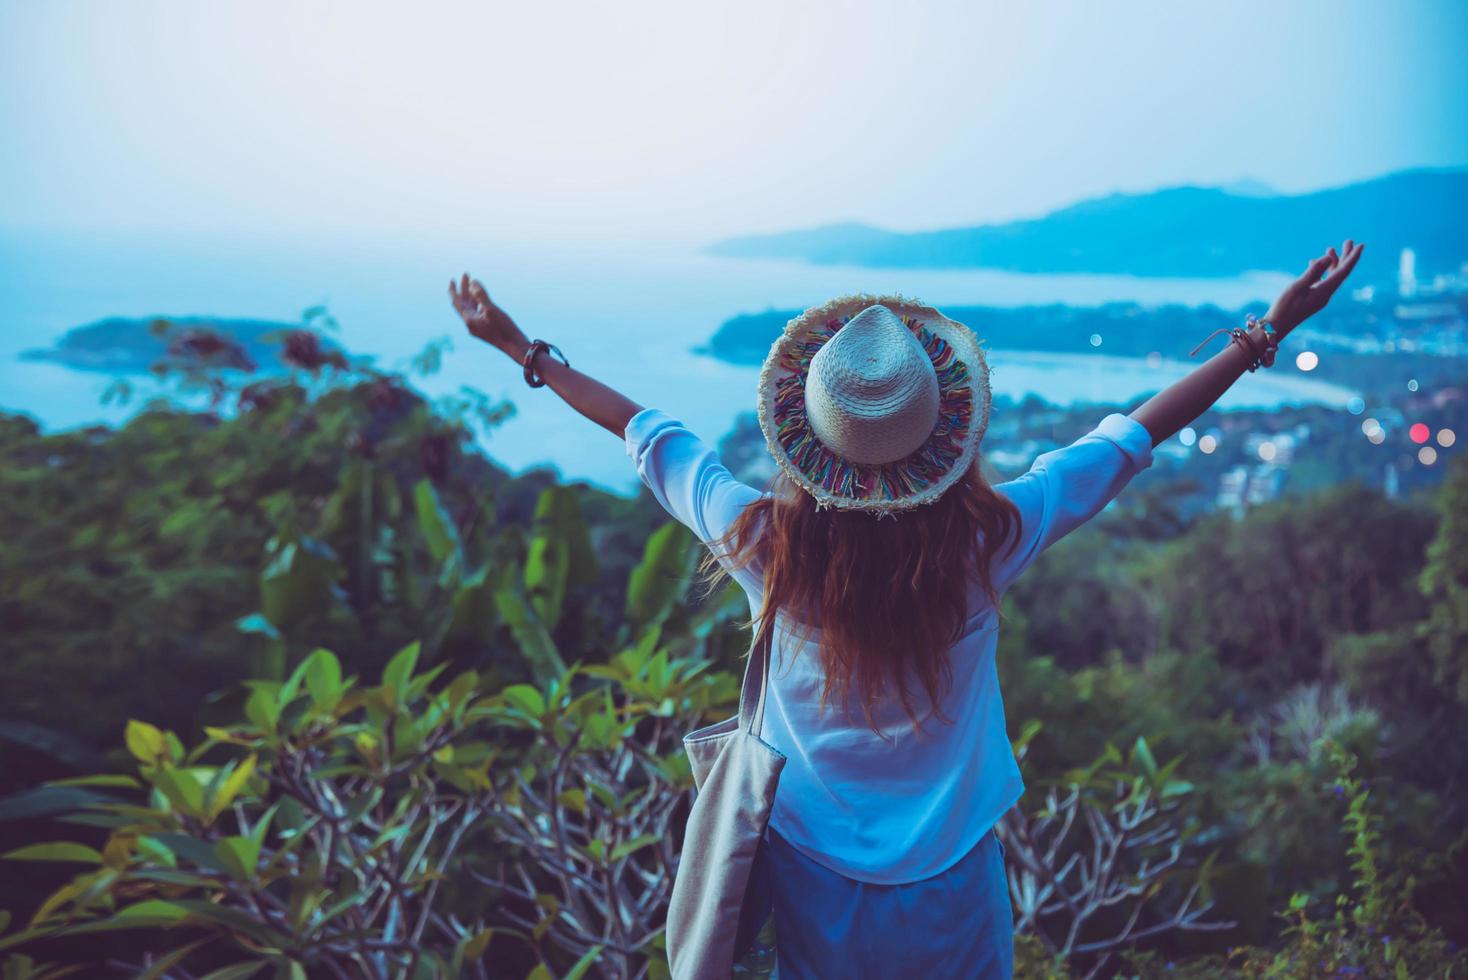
1207,444
1267,451
1307,360
1446,437
1356,405
1189,435
1368,426
1412,385
1376,436
1427,455
1095,340
1419,432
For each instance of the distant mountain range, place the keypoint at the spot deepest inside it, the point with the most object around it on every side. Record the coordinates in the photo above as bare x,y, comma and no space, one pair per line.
1179,231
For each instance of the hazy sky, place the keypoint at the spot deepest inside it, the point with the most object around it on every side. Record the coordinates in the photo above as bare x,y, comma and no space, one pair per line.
693,120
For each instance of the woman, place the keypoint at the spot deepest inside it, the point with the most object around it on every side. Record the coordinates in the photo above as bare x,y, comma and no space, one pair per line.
880,556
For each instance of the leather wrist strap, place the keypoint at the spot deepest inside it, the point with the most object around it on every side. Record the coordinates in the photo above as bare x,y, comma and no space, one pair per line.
1259,357
539,347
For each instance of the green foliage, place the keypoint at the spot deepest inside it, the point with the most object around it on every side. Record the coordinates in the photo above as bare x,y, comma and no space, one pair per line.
1286,581
1374,931
661,578
343,826
1444,582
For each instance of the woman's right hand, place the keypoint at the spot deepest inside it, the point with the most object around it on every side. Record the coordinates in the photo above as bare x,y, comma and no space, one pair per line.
1307,295
485,320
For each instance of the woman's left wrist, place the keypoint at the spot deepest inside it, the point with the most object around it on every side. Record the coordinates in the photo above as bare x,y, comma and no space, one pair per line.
516,348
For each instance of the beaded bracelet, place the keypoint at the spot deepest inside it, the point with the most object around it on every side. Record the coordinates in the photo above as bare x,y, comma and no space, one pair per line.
1242,337
539,347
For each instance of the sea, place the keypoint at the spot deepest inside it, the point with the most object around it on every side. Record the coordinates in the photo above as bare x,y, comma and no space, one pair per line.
629,313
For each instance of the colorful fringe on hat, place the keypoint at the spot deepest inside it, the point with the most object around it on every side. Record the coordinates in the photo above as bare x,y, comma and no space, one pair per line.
886,481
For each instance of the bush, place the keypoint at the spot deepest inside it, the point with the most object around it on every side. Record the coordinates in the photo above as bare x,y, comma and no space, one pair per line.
350,830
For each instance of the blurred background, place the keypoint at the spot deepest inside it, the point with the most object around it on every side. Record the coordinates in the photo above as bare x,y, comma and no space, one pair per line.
240,421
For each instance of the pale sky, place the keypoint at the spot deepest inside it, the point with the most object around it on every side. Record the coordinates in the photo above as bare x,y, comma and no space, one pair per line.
692,120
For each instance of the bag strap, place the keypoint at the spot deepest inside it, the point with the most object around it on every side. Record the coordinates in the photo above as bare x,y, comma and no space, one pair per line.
756,671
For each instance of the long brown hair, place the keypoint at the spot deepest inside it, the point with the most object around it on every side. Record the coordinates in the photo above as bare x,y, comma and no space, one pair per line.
886,593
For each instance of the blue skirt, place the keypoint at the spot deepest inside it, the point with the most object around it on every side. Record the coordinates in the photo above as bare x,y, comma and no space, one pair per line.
958,924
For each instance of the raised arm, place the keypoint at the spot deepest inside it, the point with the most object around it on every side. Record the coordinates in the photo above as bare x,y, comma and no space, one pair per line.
1184,400
600,403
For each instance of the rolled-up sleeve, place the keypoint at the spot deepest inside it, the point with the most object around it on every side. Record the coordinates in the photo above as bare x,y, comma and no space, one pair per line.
1066,487
685,474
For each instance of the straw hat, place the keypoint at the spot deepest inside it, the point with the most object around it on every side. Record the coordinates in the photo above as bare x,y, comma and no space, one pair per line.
874,403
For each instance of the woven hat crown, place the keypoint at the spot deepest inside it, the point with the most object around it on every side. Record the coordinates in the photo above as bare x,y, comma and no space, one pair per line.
874,402
872,393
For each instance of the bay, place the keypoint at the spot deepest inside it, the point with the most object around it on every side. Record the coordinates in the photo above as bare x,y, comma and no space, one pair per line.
629,313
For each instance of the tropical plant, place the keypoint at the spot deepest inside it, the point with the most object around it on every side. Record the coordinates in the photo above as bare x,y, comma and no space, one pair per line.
349,830
1089,869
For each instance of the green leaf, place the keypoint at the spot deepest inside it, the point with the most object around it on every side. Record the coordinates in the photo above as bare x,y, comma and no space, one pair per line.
573,798
623,849
191,849
235,919
660,580
156,851
546,567
582,965
262,709
44,801
103,780
54,851
144,741
400,669
324,678
559,554
526,698
142,915
298,579
571,525
434,522
473,612
1144,756
238,856
182,789
530,633
292,685
226,793
473,947
160,967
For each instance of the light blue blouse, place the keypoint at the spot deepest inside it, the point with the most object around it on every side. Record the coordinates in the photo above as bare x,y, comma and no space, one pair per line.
911,806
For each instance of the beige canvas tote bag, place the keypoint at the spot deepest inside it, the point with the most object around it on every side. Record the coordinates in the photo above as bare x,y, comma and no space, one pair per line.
735,773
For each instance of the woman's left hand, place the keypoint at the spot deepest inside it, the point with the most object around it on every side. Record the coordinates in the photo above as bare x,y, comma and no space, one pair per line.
1308,294
485,320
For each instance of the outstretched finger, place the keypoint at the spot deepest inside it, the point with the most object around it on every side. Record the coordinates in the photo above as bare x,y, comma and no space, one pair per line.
1344,269
1314,270
480,296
